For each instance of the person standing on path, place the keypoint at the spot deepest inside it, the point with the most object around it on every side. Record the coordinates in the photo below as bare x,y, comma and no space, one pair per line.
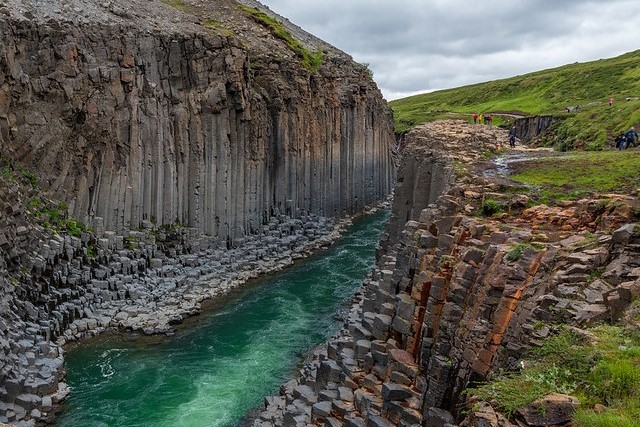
474,116
512,137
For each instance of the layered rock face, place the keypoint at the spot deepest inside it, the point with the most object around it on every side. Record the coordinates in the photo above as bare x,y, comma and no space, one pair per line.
527,128
458,295
213,125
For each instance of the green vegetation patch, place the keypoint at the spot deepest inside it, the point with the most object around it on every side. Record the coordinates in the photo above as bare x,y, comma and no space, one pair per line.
579,174
212,23
181,5
516,253
10,171
603,373
491,207
55,218
588,86
310,60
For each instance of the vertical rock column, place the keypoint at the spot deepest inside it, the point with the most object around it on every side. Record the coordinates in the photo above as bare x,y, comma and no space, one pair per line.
177,128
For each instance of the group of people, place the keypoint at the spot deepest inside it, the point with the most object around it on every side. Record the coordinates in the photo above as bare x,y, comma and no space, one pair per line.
623,141
481,118
626,139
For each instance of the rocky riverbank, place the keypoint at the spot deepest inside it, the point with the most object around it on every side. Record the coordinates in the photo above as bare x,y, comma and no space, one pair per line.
459,294
144,282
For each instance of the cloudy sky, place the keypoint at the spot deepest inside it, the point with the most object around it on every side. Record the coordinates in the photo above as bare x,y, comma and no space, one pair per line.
415,46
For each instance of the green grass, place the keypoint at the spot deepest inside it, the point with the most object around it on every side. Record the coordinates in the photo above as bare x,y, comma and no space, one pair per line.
516,253
177,4
10,171
547,92
604,374
491,207
579,174
310,60
55,219
212,23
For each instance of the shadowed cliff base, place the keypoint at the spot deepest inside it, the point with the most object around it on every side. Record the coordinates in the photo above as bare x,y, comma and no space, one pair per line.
471,278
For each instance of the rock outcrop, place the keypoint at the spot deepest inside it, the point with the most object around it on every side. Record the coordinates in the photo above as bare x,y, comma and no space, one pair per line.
157,153
461,291
528,128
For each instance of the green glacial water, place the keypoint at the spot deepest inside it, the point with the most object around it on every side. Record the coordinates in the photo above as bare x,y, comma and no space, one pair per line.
221,365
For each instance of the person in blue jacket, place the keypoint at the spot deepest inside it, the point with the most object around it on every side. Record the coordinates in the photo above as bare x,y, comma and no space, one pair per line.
631,137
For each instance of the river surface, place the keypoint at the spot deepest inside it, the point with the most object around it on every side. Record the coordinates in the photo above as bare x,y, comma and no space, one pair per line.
220,366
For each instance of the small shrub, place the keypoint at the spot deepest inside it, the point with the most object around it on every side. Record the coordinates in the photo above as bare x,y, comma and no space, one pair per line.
29,176
91,251
73,227
35,203
487,154
516,253
130,243
490,207
368,69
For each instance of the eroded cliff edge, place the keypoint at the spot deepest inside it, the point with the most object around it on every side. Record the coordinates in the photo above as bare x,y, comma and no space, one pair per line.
157,153
457,295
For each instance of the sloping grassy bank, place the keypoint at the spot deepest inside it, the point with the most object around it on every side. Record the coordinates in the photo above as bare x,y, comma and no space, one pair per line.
601,371
587,85
580,174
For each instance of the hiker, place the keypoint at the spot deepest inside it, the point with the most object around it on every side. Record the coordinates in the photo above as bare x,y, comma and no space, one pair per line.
489,119
475,118
631,137
610,102
512,137
480,118
621,141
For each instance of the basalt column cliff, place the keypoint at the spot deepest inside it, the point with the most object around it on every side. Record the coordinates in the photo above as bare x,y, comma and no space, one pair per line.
459,295
185,113
156,153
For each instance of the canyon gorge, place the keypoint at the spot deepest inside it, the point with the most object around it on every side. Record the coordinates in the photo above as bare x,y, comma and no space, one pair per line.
156,155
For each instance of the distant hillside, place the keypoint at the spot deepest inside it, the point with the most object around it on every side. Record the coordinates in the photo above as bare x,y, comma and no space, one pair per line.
587,85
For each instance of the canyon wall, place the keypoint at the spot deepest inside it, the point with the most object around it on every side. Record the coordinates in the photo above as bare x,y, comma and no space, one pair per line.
175,119
461,292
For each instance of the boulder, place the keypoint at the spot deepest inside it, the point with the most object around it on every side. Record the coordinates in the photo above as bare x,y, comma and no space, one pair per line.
553,409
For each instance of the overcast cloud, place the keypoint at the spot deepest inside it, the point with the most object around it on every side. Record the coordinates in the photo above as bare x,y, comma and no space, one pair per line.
415,46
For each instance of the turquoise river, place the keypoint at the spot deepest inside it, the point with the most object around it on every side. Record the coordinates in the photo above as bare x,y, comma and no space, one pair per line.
221,364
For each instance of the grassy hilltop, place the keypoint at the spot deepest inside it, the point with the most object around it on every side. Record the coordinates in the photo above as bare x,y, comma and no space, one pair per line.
587,85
